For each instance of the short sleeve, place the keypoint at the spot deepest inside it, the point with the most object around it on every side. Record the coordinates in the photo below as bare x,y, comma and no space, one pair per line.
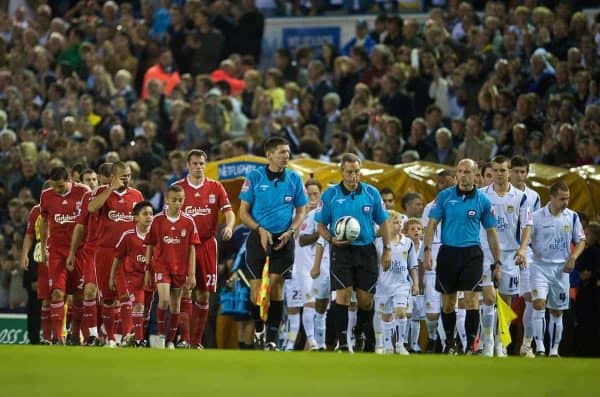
224,204
151,237
323,211
309,225
578,233
247,190
122,247
379,247
525,213
437,209
44,205
195,237
488,217
412,256
300,197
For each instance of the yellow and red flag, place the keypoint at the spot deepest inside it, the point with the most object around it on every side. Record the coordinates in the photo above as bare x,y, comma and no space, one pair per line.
264,293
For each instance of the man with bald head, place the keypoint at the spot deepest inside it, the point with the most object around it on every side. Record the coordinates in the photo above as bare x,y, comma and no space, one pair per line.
462,210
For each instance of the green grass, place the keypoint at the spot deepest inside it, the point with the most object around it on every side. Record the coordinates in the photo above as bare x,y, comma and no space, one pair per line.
87,372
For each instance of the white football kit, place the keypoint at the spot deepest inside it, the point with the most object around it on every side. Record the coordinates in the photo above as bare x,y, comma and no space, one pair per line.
433,302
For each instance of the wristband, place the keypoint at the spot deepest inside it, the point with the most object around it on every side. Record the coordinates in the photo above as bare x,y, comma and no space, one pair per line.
497,263
426,248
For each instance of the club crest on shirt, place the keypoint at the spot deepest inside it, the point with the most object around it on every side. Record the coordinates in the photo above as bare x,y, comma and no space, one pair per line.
212,199
534,292
510,209
567,228
366,209
471,213
183,233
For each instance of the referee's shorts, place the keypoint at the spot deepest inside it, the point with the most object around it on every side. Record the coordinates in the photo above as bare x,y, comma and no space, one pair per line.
353,266
281,261
458,269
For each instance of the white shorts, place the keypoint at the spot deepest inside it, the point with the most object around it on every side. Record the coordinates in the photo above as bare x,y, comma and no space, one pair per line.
321,286
551,283
525,280
509,273
433,299
297,291
387,304
418,304
352,297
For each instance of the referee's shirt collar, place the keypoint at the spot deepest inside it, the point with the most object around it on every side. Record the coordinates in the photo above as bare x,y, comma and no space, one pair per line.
347,192
464,194
280,176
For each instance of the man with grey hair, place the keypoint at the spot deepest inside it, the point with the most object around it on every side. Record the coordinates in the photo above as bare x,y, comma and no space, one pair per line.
331,110
444,152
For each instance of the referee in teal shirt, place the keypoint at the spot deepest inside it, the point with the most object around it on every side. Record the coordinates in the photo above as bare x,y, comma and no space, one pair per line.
273,205
463,210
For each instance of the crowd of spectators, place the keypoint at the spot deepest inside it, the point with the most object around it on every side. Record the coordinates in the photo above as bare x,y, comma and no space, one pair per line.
88,82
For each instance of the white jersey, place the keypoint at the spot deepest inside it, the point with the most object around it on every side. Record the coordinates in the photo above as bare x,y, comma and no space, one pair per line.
304,256
533,199
404,258
437,236
512,214
552,235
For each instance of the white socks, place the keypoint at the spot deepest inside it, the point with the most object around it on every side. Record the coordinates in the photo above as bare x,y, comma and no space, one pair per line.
293,327
320,325
308,320
539,324
401,324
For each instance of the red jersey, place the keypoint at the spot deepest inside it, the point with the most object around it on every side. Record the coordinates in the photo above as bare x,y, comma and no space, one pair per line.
61,212
116,215
32,222
172,240
90,221
132,250
203,202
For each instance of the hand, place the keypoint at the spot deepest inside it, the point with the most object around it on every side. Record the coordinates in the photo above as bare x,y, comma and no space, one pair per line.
427,262
147,279
227,233
386,259
415,289
266,239
496,273
111,283
116,183
24,262
190,281
569,265
520,259
70,262
315,272
283,239
339,243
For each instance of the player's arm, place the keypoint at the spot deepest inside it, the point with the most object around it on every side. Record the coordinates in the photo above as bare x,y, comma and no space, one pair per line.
147,275
27,243
415,278
525,238
229,224
98,201
570,265
494,245
309,238
191,279
316,269
113,271
296,222
428,241
386,256
78,233
43,237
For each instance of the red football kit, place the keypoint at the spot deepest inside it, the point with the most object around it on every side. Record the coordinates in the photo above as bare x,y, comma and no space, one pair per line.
203,203
131,250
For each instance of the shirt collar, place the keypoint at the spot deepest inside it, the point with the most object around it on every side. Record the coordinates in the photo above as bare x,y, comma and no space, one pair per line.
465,195
280,176
347,192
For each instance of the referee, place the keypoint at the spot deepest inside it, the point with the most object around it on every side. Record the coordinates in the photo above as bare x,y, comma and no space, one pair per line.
353,265
462,209
272,205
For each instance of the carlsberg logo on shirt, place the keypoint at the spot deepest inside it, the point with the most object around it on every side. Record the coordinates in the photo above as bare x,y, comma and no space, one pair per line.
116,216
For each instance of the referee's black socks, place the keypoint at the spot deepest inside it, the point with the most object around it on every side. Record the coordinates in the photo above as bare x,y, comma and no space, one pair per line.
274,320
364,319
341,324
259,325
471,327
449,322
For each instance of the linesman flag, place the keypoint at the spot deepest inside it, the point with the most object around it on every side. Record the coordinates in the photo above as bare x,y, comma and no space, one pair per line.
264,293
505,316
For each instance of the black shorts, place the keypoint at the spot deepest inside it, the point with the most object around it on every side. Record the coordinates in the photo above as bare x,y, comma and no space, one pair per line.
458,269
281,260
354,266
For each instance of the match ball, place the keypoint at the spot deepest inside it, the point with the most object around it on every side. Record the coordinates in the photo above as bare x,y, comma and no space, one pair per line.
347,228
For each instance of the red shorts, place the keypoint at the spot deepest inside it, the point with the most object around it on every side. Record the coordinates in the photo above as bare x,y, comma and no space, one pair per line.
43,284
206,265
84,266
58,276
103,260
163,275
135,286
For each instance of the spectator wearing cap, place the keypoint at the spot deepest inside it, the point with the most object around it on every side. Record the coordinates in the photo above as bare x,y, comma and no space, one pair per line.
164,72
362,38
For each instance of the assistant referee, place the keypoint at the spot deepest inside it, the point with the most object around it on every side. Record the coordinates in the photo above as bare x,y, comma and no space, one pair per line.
353,265
462,209
273,205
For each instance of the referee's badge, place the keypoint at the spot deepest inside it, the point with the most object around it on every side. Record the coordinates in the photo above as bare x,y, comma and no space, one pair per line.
510,209
287,199
366,209
471,213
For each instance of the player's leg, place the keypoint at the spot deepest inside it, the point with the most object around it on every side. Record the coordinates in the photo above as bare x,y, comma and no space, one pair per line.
558,301
415,323
44,293
90,313
137,314
163,287
469,281
488,307
185,318
400,304
380,308
174,310
366,280
356,341
275,315
525,292
103,260
321,322
206,282
540,282
294,301
448,271
508,287
308,311
341,277
387,327
57,275
449,320
461,314
432,310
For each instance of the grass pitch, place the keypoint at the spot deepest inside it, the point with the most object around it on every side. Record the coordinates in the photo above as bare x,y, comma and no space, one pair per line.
63,371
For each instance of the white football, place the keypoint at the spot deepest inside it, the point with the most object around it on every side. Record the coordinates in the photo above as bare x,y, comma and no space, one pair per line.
347,228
